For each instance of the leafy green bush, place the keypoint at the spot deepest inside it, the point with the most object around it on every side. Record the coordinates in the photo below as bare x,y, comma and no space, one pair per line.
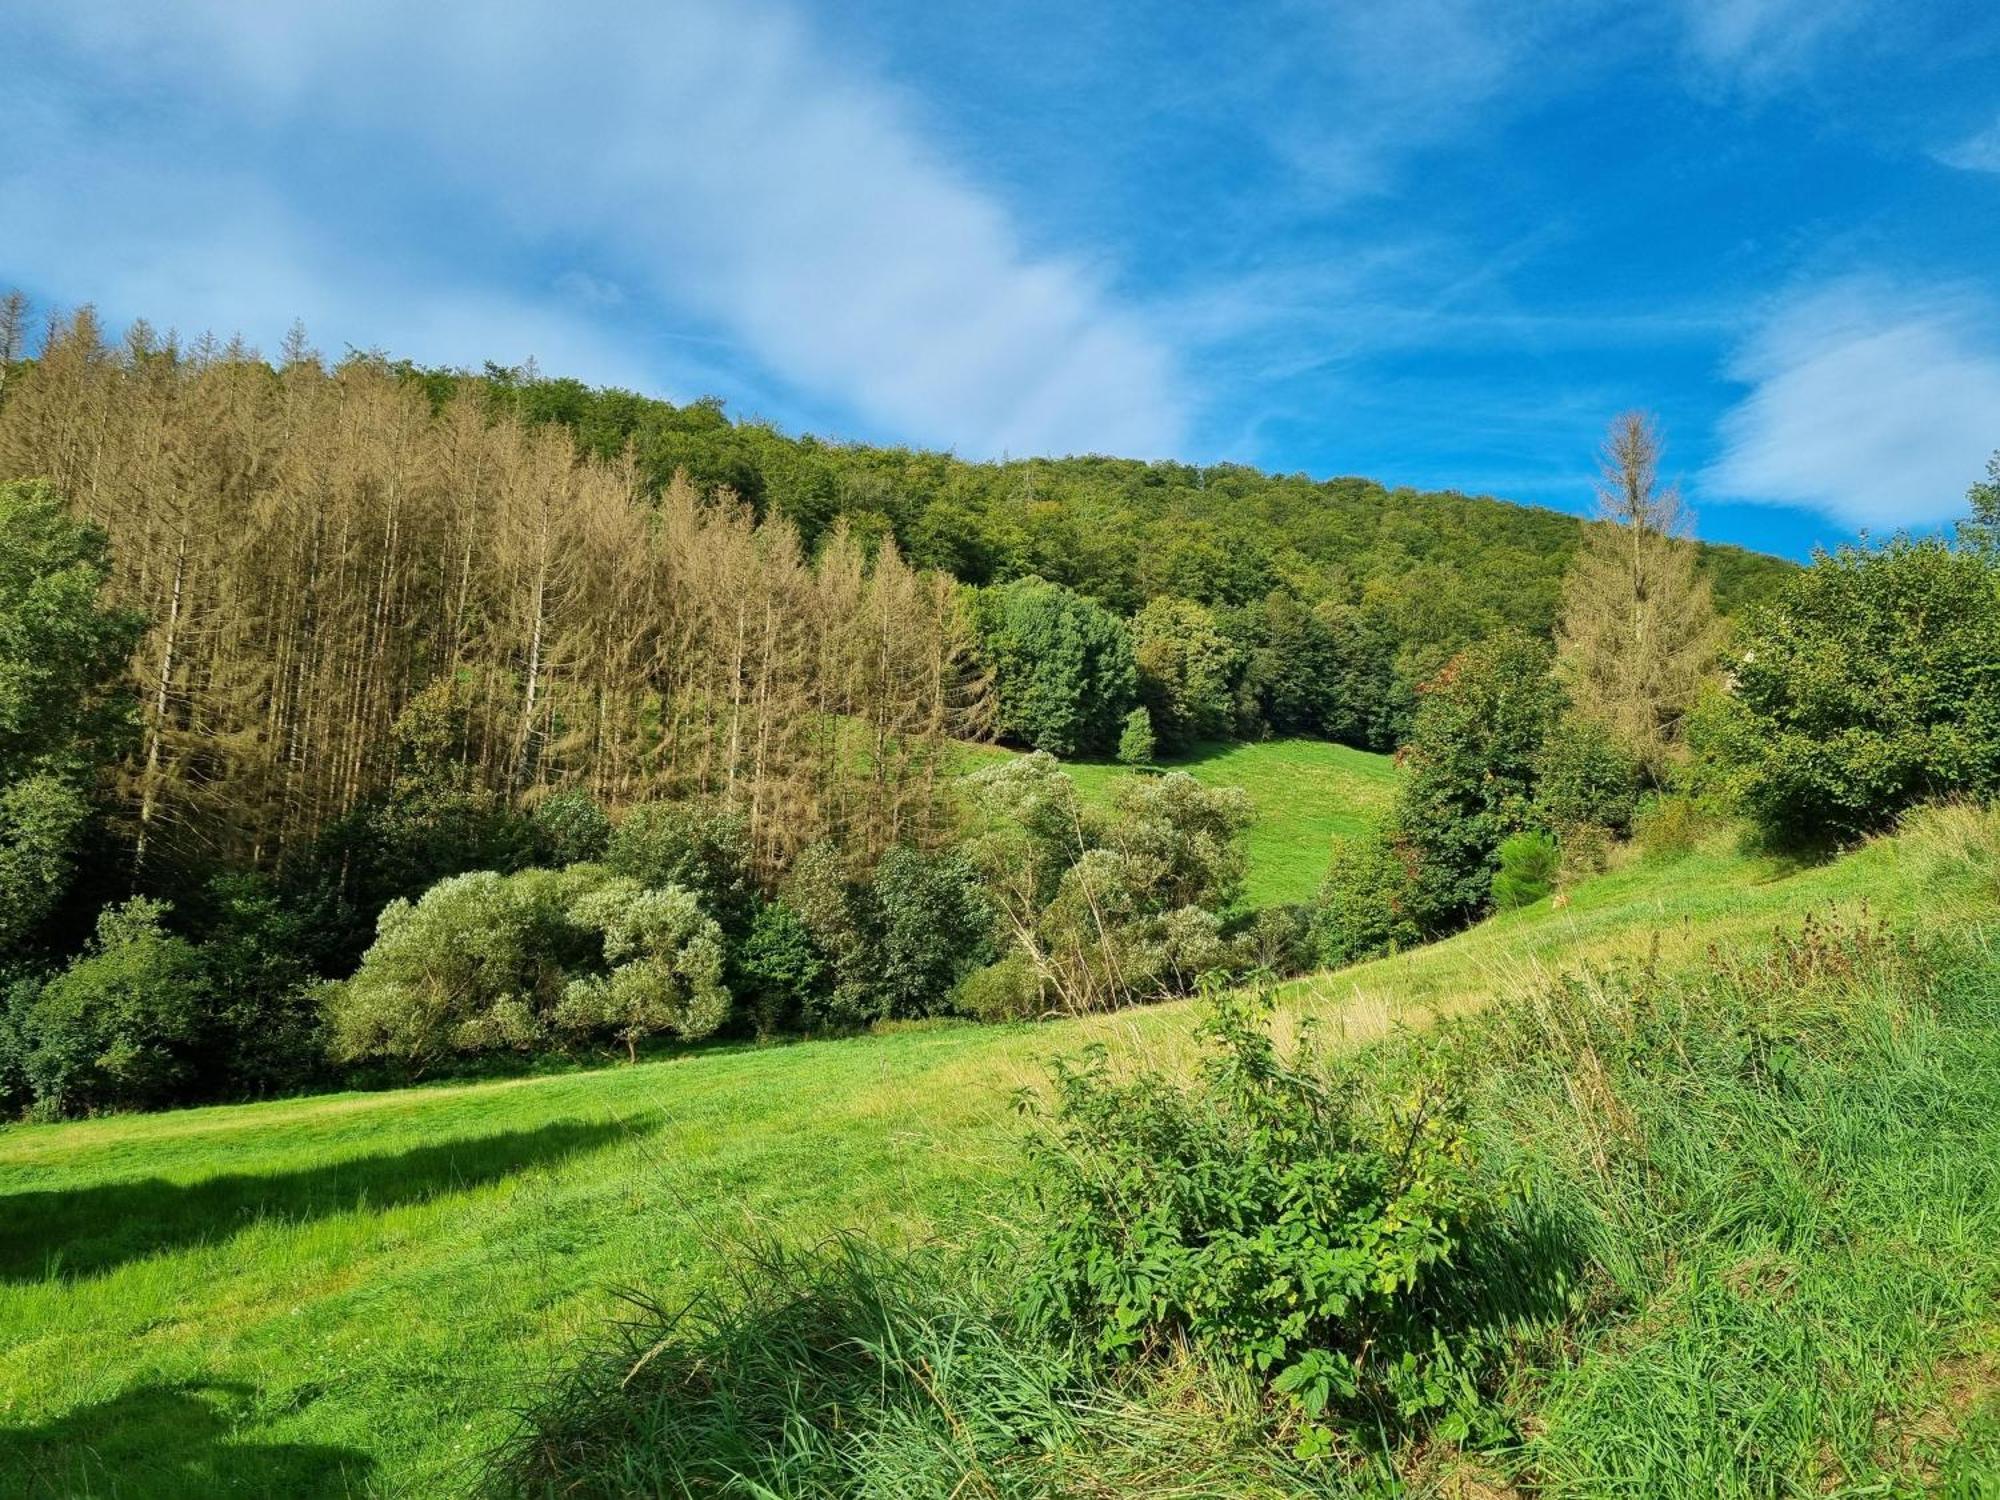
1187,671
123,1026
268,1024
697,846
1063,666
1264,1212
1366,906
779,968
1527,873
1583,777
1470,779
476,965
1670,825
1005,990
1136,746
1281,940
933,926
665,959
1867,686
571,828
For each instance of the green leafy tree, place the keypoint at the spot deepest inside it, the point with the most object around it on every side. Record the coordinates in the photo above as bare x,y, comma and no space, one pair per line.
123,1027
698,846
1063,668
665,957
1187,672
65,712
1470,772
1870,684
1136,746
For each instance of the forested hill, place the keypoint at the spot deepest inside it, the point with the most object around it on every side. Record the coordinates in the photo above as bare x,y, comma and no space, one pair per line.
1439,567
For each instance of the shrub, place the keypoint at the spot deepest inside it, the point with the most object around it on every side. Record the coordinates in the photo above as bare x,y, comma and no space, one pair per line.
1063,667
42,819
1471,773
664,954
1280,940
269,1025
697,846
1187,671
933,926
1527,870
1867,686
1006,990
1263,1213
1135,740
780,969
570,828
1366,906
1670,825
123,1026
476,965
1584,777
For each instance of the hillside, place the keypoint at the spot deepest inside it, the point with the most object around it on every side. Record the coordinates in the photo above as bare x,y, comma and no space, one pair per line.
1306,794
350,1291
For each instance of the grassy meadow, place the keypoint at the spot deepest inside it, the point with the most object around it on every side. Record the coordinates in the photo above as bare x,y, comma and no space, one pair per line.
1306,794
349,1294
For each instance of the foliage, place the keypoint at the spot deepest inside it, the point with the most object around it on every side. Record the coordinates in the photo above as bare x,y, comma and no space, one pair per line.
1187,672
934,926
1668,826
1637,634
478,964
1263,1213
1584,778
1367,905
1136,745
664,954
122,1027
779,967
1005,990
265,1015
1471,773
1527,873
1281,940
1063,668
64,709
1868,686
571,828
697,846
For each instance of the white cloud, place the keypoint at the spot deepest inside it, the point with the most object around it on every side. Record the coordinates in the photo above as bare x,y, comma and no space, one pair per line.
710,165
1976,153
1873,405
1758,44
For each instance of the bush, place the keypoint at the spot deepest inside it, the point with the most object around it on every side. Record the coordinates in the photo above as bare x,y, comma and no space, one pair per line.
570,828
270,1029
123,1026
664,954
1584,777
1280,940
1063,667
697,846
1006,990
1527,872
933,926
1135,740
1866,687
1670,825
1470,778
1263,1213
476,965
1367,904
780,969
1187,672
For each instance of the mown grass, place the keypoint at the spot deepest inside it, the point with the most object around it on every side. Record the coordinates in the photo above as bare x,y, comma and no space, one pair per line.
346,1294
1306,793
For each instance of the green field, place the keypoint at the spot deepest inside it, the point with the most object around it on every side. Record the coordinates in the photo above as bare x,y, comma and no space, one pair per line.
1306,794
348,1293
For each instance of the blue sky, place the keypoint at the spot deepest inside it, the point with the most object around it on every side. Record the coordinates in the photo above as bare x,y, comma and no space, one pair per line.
1435,242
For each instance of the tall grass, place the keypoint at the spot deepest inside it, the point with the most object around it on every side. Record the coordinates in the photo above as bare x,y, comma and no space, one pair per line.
1758,1254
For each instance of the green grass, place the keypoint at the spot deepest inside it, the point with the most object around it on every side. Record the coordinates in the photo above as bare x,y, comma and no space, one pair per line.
346,1294
1306,794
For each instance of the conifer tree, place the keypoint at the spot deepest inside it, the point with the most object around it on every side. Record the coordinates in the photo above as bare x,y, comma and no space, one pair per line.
1638,631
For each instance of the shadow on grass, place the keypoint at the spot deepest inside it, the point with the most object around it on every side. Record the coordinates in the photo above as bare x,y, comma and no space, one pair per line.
80,1232
167,1441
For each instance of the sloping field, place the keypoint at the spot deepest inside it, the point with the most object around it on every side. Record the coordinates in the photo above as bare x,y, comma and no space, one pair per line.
1306,792
345,1294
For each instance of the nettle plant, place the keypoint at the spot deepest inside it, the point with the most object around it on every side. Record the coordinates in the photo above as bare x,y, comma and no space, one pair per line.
1267,1211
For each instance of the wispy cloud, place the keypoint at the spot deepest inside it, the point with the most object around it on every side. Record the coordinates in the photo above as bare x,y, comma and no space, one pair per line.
698,166
1979,152
1874,405
1759,44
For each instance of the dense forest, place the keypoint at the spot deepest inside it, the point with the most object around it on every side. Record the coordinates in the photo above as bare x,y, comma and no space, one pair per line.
362,715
